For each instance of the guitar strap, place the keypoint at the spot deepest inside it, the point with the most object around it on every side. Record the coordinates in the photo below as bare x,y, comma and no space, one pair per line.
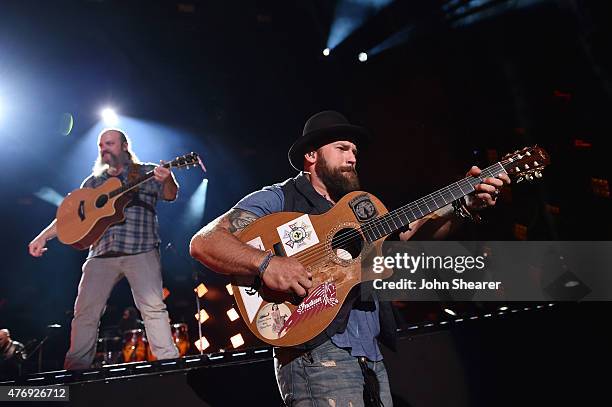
133,174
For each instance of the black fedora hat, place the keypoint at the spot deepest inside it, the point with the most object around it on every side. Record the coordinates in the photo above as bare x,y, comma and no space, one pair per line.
322,128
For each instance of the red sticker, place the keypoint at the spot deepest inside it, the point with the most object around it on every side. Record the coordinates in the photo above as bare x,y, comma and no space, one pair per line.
324,296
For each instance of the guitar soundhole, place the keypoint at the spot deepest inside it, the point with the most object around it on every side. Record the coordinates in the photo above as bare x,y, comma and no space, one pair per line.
101,201
347,244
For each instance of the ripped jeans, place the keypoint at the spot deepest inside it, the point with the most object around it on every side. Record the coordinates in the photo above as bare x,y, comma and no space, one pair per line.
326,376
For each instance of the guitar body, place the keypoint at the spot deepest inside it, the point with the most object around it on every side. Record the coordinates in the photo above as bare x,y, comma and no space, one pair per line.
330,246
86,213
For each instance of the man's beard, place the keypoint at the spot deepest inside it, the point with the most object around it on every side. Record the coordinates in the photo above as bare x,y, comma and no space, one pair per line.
338,181
100,166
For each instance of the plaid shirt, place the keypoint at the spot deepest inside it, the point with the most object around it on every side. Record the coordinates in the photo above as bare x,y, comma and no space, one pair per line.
139,232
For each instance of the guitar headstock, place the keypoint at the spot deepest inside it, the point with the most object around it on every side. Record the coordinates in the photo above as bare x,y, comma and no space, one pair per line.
526,164
188,160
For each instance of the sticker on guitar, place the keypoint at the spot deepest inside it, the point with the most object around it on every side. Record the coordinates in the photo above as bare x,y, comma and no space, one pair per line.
271,320
324,296
252,300
297,235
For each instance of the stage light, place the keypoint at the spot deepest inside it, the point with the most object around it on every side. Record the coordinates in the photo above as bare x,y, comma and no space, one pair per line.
326,52
504,308
237,340
229,289
363,57
201,290
202,317
232,314
400,37
110,117
195,206
49,195
201,344
349,16
450,312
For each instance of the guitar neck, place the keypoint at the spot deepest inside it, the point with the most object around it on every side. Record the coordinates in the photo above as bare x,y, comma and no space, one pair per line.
401,217
133,184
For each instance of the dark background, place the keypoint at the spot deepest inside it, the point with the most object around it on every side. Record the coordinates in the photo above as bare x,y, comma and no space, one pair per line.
236,80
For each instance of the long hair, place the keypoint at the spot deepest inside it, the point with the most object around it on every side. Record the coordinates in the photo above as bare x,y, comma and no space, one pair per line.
99,167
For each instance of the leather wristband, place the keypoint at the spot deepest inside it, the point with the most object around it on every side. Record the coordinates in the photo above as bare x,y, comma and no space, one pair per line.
264,264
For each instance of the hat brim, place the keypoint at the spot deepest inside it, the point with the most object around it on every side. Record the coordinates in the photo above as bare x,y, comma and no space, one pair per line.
317,138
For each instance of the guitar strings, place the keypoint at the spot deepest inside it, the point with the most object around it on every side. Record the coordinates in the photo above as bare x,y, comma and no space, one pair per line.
125,188
314,252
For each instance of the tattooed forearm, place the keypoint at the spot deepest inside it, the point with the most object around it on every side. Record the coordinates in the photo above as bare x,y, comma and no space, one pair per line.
240,219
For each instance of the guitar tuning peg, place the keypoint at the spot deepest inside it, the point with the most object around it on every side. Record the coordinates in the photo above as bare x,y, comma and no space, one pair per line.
538,174
519,180
529,177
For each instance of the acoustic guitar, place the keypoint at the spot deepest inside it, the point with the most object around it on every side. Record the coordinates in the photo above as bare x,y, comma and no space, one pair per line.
332,247
86,213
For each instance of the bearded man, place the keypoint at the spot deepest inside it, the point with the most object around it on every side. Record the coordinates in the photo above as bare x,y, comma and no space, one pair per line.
129,249
342,366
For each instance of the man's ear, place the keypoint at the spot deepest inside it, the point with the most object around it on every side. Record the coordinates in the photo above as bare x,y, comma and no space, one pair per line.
124,146
310,157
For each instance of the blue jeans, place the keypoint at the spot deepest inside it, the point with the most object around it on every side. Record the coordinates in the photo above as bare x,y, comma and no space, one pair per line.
326,376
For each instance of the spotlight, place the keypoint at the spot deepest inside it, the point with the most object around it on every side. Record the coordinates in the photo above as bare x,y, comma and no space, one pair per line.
450,312
237,340
232,314
201,344
326,52
201,290
363,57
202,317
110,117
49,195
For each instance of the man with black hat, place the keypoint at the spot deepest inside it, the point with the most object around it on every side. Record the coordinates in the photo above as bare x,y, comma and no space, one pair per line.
343,365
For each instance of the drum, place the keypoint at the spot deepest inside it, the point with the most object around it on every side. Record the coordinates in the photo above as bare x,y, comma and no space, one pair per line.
108,351
180,336
134,346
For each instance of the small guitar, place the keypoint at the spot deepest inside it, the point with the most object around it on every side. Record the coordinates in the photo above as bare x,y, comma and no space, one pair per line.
86,213
331,246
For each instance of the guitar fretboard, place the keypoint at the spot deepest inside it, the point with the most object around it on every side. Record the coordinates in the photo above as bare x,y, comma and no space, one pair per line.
133,184
402,217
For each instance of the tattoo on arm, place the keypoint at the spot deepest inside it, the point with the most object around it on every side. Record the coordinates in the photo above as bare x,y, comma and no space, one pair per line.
239,219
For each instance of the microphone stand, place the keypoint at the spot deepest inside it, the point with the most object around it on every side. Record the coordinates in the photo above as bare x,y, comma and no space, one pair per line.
196,279
39,347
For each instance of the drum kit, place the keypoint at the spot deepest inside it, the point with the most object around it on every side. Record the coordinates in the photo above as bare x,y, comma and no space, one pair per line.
134,346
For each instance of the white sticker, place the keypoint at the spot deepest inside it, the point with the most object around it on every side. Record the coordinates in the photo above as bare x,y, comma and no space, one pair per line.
252,300
271,320
297,235
256,243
